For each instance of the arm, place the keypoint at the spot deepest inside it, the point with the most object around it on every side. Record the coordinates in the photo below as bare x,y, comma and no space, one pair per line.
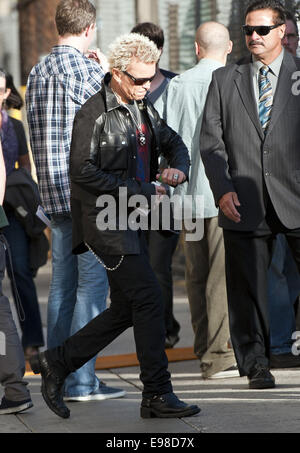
23,158
24,162
2,177
214,154
174,151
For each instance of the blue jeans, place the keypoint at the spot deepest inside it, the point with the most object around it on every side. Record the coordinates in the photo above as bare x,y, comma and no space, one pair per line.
19,242
283,290
78,293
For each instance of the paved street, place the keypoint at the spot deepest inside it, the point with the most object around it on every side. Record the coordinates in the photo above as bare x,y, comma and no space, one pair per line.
228,406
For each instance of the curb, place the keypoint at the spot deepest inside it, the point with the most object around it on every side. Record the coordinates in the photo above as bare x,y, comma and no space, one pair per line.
128,360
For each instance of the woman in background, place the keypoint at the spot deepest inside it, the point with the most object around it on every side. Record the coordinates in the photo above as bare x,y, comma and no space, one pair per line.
16,396
15,150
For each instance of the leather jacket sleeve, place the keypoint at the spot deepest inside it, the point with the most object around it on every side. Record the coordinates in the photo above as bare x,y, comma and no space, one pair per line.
171,145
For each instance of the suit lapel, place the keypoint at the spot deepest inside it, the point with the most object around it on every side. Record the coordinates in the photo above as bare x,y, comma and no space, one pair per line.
283,90
244,83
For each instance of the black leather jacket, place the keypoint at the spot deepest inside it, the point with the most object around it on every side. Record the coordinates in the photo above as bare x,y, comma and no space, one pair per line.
103,159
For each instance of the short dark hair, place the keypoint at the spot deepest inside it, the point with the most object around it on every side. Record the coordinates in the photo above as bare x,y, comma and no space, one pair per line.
74,16
290,16
14,100
152,31
274,5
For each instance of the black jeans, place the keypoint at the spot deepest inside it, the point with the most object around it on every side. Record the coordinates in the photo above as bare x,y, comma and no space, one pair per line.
135,301
247,258
161,251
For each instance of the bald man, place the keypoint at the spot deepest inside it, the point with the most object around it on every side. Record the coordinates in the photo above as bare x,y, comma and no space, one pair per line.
184,102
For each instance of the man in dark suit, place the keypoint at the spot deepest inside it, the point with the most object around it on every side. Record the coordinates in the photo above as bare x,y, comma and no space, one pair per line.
250,148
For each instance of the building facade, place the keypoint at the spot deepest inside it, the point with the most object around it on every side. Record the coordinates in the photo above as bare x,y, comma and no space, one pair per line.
9,38
27,28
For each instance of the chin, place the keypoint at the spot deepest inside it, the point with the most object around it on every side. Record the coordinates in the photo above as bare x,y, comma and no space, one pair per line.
256,50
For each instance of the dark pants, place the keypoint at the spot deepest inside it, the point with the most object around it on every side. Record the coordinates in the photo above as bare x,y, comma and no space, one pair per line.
161,251
31,324
135,301
12,363
248,255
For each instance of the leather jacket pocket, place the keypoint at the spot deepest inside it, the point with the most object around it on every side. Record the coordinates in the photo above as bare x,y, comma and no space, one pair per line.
113,152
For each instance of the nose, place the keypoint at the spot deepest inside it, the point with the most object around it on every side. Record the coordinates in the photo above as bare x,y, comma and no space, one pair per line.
146,85
255,36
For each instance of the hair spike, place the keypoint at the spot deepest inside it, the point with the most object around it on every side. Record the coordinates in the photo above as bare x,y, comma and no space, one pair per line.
125,47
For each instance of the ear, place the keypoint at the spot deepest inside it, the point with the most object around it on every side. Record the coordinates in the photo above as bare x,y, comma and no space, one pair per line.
282,30
230,46
89,30
7,93
196,48
116,75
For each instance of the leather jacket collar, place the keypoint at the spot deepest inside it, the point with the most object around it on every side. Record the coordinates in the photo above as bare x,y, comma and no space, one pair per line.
110,98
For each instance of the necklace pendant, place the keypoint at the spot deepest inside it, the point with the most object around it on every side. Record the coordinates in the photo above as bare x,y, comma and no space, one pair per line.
142,139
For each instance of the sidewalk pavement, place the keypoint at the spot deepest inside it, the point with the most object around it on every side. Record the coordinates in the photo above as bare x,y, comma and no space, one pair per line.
228,406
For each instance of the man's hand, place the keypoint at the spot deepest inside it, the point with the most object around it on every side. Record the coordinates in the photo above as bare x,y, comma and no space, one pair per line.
160,190
171,176
99,57
228,204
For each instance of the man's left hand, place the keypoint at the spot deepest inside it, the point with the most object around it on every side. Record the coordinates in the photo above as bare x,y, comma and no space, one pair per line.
99,57
171,176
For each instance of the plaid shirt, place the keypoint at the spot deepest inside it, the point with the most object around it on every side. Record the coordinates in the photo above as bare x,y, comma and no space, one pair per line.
57,88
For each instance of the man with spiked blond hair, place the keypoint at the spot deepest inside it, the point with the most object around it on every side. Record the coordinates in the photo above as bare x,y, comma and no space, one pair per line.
57,87
117,139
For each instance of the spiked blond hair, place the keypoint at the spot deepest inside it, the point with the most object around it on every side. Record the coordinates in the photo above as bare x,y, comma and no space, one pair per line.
125,47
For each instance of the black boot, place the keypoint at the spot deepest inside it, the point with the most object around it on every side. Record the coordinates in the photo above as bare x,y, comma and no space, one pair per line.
261,378
52,384
166,406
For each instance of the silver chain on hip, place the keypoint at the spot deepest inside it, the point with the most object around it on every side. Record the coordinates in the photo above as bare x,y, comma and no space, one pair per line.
103,264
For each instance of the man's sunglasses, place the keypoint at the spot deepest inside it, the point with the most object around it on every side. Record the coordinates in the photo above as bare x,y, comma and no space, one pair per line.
139,81
261,30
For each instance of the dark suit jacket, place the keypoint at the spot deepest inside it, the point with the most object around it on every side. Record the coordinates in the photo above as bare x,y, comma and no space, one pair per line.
236,155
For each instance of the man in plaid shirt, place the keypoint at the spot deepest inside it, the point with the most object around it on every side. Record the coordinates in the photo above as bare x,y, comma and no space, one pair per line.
57,88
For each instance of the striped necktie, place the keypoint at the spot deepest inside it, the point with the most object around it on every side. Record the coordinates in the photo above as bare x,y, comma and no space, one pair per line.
265,102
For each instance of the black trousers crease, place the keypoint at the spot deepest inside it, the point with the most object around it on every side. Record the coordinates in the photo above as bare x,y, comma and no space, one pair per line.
247,258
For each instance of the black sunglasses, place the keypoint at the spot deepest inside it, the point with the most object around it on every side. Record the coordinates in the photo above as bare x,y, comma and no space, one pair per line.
261,30
141,81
